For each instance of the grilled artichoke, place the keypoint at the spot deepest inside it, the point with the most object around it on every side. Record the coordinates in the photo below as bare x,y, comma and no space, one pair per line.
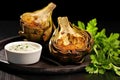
38,25
69,44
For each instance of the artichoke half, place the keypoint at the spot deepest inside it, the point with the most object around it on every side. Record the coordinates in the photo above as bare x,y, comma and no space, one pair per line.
69,44
38,25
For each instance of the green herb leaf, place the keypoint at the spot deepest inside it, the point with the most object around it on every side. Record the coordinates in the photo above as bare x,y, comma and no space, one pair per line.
91,27
81,25
105,54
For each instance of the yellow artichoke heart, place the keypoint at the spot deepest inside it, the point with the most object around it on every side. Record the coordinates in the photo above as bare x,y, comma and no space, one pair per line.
69,43
38,25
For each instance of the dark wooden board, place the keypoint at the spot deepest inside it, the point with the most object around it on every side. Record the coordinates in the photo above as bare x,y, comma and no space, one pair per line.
46,65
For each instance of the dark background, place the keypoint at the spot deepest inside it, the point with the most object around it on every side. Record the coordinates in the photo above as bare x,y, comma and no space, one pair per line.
75,9
106,12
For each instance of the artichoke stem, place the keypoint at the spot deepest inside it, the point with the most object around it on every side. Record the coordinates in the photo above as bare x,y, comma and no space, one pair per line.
48,9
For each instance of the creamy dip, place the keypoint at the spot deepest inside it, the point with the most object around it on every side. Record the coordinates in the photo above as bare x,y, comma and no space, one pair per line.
23,47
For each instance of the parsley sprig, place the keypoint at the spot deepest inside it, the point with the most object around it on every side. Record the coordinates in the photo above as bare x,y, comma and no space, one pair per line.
105,54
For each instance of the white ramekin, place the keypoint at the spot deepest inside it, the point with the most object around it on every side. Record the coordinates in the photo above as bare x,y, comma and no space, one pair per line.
23,57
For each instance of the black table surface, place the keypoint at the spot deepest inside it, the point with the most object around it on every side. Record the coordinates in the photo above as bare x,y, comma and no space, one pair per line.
10,28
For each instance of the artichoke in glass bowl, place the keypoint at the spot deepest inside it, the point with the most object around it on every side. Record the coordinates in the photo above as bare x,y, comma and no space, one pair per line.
69,44
38,25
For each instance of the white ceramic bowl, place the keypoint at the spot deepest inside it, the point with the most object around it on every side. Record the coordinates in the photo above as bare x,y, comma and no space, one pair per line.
23,52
